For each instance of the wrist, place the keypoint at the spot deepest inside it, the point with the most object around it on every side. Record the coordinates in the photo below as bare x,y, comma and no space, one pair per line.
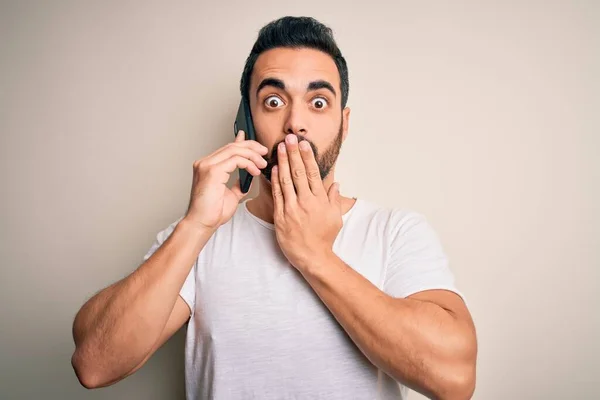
192,228
317,262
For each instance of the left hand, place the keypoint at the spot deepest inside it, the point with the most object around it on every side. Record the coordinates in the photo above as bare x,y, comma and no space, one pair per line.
307,220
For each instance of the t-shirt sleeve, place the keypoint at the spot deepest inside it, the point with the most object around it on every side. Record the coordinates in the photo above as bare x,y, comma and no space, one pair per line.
188,290
416,261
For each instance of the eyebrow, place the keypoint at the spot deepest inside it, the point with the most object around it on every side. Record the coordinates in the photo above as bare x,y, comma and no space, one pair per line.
274,82
316,85
279,84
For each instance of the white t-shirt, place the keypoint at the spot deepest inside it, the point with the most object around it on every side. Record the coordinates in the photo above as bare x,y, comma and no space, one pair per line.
259,331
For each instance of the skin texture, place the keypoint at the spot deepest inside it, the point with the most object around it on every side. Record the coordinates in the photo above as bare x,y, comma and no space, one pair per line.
426,341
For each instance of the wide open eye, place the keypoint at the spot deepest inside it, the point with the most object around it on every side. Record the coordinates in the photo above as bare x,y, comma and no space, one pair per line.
319,103
273,102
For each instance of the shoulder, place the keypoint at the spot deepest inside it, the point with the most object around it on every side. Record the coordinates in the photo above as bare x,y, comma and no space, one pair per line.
396,221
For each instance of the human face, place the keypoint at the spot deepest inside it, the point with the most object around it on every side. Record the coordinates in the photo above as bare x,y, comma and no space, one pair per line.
297,91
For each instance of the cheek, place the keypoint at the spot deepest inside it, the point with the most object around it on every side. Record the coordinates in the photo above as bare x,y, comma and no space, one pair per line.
268,129
328,123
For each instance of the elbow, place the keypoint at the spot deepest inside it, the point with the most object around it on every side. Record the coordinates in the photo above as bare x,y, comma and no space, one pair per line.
88,376
458,386
456,382
456,378
461,386
85,375
461,372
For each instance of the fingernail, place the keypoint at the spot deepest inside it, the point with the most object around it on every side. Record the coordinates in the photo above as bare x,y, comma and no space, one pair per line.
304,145
281,146
291,139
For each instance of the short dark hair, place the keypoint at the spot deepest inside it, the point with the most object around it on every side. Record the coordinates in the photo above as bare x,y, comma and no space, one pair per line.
296,32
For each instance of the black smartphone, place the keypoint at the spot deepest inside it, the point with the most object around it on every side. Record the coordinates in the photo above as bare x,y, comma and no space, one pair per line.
243,121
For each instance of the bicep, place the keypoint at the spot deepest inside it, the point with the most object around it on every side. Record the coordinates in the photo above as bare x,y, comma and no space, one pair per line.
179,316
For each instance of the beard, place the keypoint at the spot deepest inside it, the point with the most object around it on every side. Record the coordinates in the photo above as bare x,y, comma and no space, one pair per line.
325,161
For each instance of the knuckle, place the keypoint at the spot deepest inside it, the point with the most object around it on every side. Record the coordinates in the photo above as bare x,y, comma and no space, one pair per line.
314,174
242,162
299,173
200,165
286,180
289,209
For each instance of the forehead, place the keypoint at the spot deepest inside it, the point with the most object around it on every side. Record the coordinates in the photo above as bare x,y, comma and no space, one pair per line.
296,67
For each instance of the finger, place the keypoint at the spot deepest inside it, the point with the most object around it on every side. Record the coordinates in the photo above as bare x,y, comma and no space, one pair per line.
230,151
285,180
297,169
223,169
240,139
313,173
241,143
278,200
254,145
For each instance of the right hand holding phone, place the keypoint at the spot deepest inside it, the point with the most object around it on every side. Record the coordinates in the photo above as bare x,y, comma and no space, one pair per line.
212,203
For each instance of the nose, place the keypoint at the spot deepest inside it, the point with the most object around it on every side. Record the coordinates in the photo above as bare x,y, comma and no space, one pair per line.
296,121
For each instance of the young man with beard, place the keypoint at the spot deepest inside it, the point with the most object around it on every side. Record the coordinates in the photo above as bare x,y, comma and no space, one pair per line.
299,293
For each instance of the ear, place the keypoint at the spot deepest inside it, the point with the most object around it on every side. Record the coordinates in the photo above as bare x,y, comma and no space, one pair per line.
345,122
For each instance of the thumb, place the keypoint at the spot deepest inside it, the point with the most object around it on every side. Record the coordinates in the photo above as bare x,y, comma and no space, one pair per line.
240,136
334,194
237,191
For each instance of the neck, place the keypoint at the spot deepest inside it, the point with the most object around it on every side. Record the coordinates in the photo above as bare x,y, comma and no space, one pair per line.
262,205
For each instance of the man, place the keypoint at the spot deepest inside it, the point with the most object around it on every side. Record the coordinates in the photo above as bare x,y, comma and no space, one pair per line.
299,293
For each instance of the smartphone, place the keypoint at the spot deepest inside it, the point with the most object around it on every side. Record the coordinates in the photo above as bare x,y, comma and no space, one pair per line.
243,121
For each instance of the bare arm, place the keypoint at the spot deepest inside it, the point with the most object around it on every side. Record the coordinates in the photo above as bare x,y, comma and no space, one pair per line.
426,341
118,329
179,316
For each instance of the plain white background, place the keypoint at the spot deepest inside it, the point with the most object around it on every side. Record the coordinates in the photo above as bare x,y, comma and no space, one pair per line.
484,116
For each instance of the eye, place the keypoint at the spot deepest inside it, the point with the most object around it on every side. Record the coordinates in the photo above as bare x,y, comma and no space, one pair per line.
273,102
319,103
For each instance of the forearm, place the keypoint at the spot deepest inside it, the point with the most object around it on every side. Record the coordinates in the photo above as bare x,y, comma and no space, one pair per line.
116,328
418,343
